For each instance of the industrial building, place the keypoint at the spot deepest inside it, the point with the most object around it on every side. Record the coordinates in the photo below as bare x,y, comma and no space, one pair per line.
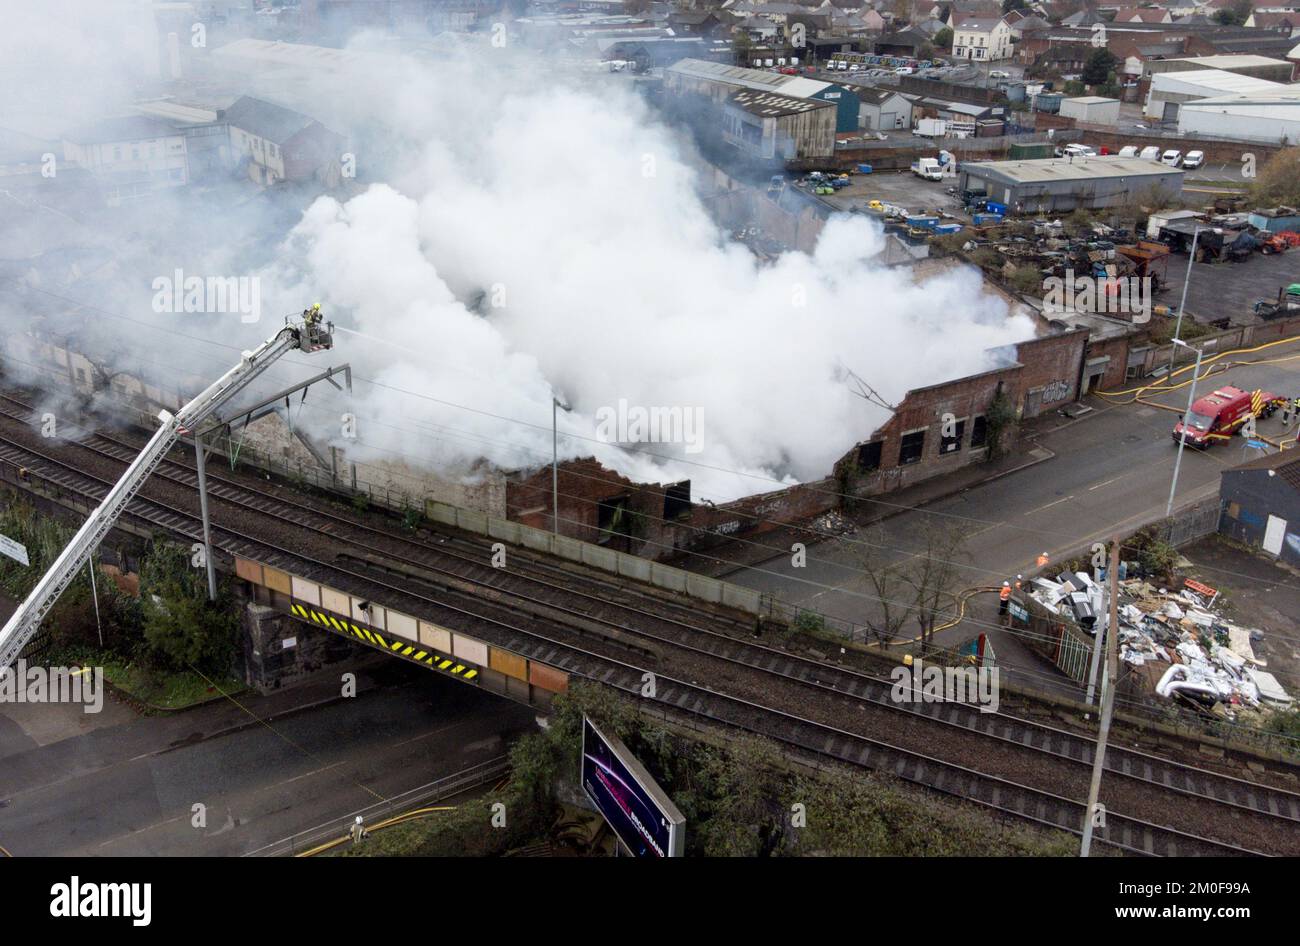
1272,117
1092,109
883,109
716,81
1060,185
1256,67
773,127
1260,504
1171,90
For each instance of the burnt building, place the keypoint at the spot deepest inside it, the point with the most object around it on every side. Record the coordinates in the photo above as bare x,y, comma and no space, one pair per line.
1259,504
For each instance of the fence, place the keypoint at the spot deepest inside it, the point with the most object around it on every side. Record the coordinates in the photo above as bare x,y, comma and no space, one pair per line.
471,777
667,577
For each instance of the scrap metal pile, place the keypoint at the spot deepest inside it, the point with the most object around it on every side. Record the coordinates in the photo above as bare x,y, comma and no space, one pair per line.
1211,660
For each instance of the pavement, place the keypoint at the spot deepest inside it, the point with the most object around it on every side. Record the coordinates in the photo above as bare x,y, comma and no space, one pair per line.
1230,290
1108,472
263,767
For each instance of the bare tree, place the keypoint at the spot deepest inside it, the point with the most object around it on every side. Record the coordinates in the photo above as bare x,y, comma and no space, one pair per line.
885,572
934,573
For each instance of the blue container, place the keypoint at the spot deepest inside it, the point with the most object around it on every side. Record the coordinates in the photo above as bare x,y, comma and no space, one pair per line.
944,229
928,223
864,168
994,207
985,219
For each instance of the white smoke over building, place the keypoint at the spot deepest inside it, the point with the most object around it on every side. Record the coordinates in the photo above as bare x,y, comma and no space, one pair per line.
528,233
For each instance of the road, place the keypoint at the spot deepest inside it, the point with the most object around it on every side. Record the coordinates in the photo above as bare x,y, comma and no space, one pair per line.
125,785
1110,473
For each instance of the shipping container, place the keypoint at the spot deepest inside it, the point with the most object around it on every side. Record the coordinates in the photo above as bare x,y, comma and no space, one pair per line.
1031,150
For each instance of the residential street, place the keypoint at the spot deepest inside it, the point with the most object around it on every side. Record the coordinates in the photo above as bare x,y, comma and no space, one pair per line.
1110,473
118,784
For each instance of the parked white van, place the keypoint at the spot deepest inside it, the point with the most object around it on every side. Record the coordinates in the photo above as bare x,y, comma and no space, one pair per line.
1150,153
1128,151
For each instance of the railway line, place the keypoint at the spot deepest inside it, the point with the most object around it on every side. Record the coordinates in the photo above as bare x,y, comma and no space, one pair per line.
572,621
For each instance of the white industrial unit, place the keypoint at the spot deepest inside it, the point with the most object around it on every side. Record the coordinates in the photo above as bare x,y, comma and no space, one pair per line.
1091,108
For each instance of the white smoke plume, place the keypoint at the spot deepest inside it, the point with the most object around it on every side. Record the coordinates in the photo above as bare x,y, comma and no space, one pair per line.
574,208
527,232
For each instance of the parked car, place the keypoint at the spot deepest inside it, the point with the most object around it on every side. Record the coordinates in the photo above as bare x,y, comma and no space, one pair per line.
1150,153
904,71
1128,151
1173,157
1077,151
999,74
1194,160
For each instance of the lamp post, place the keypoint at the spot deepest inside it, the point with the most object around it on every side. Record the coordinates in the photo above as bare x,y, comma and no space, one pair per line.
1178,325
556,405
1182,439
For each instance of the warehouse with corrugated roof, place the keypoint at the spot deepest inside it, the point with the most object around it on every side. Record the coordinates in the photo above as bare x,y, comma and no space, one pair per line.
716,81
1060,185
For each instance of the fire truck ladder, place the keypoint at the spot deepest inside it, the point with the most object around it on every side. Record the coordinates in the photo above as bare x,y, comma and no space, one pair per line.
309,335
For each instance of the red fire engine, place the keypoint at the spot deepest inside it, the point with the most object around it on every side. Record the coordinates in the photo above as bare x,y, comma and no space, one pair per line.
1216,417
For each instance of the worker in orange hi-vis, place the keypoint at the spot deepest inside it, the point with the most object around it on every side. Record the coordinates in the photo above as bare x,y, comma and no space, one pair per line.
1004,597
1042,560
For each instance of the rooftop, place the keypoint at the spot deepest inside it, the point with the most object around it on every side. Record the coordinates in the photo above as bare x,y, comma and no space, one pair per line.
131,128
266,120
772,105
798,86
1216,80
1049,170
1286,463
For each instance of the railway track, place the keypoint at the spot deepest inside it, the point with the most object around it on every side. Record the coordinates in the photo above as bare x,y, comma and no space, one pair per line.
1012,734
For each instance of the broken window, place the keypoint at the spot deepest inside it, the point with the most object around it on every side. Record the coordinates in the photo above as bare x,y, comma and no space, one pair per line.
979,432
912,447
869,456
952,444
612,517
677,500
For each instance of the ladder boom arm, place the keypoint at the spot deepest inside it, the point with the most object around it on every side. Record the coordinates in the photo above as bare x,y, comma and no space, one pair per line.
25,621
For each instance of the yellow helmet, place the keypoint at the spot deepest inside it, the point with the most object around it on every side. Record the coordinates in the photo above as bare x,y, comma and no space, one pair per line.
316,307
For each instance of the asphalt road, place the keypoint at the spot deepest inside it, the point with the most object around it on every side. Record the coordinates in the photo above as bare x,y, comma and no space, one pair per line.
1111,473
124,786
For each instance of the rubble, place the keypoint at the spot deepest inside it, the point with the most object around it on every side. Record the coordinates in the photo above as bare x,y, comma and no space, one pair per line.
1211,660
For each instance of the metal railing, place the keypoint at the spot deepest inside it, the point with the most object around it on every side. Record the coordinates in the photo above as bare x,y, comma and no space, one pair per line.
464,780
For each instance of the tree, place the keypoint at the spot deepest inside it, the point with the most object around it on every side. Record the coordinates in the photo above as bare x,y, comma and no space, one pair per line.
1278,181
885,574
1096,71
943,39
1009,5
934,573
182,629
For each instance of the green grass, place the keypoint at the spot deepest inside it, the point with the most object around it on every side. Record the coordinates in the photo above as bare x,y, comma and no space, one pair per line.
166,690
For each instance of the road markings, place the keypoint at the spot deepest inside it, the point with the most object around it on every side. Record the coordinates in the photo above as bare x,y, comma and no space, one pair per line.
1050,505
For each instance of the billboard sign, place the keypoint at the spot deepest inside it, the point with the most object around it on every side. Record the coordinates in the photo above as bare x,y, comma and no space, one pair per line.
645,820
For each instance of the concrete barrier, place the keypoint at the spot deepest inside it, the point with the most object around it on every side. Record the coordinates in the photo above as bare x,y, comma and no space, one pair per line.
597,556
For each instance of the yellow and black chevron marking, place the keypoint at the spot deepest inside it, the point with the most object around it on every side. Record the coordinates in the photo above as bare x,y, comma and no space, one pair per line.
400,648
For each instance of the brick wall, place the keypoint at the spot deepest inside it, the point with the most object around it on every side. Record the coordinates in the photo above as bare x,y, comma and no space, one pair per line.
1050,378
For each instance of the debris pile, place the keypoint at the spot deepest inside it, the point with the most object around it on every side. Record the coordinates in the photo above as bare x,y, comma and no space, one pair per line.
1211,661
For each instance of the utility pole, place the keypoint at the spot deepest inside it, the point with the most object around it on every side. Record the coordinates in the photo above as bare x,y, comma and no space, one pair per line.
200,466
94,594
1182,438
555,463
1107,697
1178,325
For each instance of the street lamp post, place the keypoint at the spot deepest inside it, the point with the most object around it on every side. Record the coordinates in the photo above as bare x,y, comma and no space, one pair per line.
1182,439
1182,304
556,405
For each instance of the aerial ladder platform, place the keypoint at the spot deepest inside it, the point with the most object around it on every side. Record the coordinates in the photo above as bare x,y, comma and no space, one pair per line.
308,334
